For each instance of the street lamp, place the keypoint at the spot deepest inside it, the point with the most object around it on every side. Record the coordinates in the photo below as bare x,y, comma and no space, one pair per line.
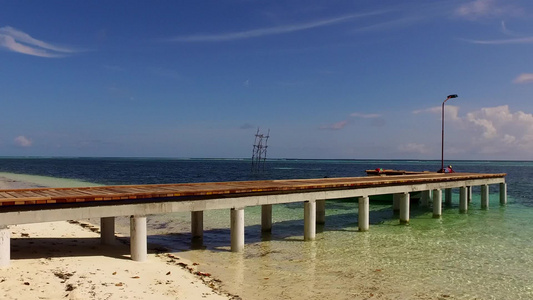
442,144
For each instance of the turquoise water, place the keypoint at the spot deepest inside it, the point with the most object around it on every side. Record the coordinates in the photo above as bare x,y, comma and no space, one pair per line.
484,254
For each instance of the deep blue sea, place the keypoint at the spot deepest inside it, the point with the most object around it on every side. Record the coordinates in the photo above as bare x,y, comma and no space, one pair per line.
484,254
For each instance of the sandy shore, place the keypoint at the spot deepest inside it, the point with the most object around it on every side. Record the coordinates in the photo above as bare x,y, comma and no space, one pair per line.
65,260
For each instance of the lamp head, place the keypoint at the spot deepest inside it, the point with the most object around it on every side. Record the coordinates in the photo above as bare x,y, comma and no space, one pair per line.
452,96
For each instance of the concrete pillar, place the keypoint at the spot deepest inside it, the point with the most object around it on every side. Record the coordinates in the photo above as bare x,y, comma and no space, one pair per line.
197,224
463,201
321,211
107,230
309,220
5,246
237,229
484,196
138,238
448,197
404,208
396,202
364,213
469,194
266,218
503,193
426,197
437,203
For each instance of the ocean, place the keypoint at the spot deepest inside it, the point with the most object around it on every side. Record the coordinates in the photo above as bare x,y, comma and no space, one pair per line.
484,254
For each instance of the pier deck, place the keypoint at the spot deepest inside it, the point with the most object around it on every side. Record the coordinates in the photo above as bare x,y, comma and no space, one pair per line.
21,206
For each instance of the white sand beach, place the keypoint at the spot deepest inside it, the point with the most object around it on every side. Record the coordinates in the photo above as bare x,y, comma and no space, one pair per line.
65,260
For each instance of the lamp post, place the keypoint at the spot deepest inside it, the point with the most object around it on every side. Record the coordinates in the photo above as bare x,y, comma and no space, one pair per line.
442,144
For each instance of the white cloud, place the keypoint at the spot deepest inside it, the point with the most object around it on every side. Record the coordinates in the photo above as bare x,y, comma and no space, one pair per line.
501,125
335,126
509,139
489,131
524,78
451,112
271,30
21,42
502,131
495,132
486,9
23,141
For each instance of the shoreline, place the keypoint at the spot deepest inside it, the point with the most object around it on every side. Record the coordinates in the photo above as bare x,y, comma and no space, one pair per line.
65,259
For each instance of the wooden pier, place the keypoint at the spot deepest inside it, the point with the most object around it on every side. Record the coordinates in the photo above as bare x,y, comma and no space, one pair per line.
23,206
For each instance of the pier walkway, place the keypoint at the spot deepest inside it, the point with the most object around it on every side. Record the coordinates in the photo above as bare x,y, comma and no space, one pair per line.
23,206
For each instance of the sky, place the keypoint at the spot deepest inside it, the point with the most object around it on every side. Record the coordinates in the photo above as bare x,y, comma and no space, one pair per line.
335,79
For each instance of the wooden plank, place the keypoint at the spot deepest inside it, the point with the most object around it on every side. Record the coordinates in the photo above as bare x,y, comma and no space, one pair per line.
5,195
124,192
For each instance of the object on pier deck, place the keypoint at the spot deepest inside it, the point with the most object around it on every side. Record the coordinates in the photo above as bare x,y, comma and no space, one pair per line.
384,172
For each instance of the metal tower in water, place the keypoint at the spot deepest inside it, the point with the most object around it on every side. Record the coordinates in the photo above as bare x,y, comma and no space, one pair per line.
259,151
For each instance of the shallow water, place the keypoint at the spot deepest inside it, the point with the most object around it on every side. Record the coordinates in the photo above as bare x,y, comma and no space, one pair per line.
484,254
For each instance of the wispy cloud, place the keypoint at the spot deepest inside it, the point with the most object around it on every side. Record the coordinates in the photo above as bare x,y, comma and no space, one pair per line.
451,112
392,24
377,120
254,33
487,9
21,42
524,40
335,126
23,141
511,37
508,32
524,78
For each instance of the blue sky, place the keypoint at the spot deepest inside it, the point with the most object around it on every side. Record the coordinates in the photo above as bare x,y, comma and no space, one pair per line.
330,79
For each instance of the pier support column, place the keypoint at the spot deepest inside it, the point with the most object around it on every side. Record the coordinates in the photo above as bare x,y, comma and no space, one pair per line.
266,218
503,193
5,246
321,211
309,220
107,230
396,202
237,229
437,203
426,197
484,196
364,213
404,208
463,202
469,194
138,238
197,224
448,197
